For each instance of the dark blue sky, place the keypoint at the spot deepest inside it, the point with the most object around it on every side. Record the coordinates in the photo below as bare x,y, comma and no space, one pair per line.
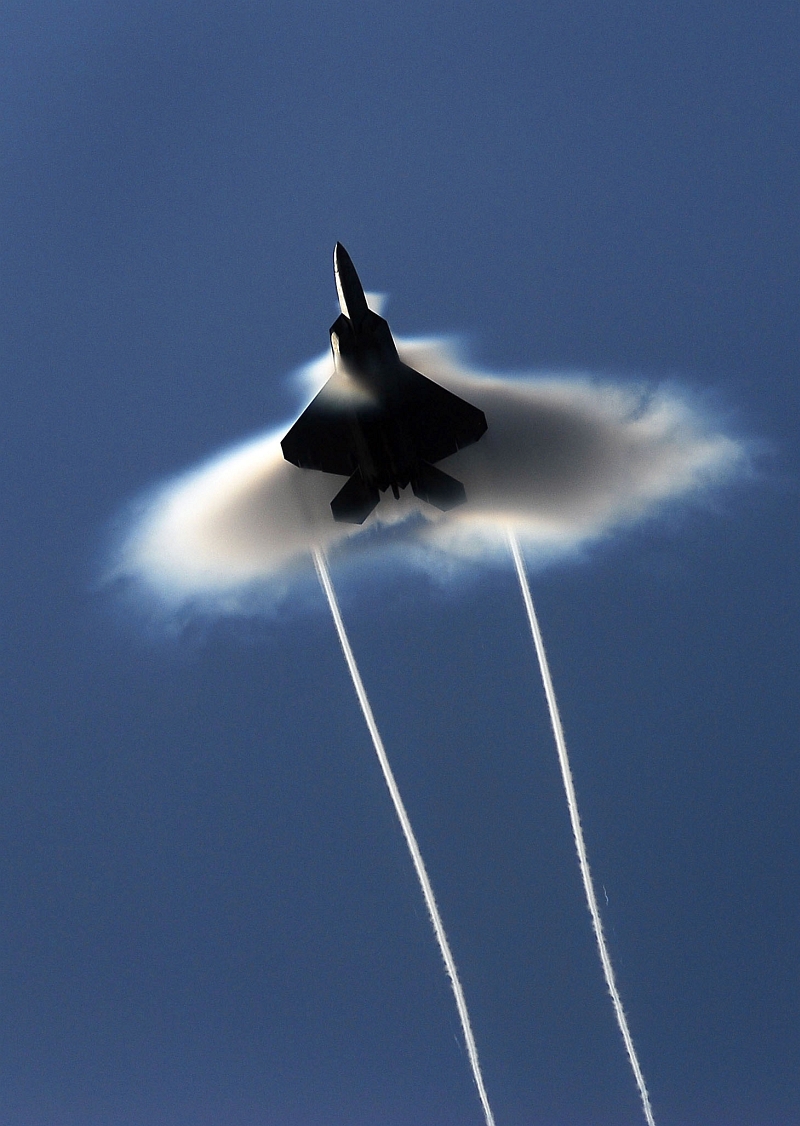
207,914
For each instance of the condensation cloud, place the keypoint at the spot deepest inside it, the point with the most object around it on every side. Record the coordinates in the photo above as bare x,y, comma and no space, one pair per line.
566,460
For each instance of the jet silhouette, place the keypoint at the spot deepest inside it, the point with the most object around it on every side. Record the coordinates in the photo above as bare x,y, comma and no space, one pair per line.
377,421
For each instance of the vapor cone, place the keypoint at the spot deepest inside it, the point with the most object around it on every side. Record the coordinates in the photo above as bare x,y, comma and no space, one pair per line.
566,460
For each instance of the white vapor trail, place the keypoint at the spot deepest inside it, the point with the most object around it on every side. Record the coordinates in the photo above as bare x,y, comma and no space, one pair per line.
567,459
577,831
438,926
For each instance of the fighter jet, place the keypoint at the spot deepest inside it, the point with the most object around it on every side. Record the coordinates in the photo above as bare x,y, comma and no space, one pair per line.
377,421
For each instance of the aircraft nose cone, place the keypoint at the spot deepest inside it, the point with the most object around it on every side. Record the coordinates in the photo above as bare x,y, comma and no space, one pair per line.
341,258
351,293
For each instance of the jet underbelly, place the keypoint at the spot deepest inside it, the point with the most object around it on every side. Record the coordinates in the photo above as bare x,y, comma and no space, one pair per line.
377,421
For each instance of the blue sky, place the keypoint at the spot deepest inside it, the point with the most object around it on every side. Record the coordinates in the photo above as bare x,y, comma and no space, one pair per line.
207,912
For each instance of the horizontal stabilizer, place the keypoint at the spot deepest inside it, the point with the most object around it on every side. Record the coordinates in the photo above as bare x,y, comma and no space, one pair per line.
437,488
355,500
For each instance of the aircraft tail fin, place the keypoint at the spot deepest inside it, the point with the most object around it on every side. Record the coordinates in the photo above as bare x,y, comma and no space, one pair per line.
355,500
437,488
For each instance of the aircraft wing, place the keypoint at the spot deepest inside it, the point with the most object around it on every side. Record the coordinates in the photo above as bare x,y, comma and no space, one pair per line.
441,422
323,436
326,435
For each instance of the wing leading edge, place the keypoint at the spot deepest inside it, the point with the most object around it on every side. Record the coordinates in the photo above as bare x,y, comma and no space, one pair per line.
435,422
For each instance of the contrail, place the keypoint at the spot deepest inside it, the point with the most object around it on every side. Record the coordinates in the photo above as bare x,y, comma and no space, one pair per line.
325,579
577,831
